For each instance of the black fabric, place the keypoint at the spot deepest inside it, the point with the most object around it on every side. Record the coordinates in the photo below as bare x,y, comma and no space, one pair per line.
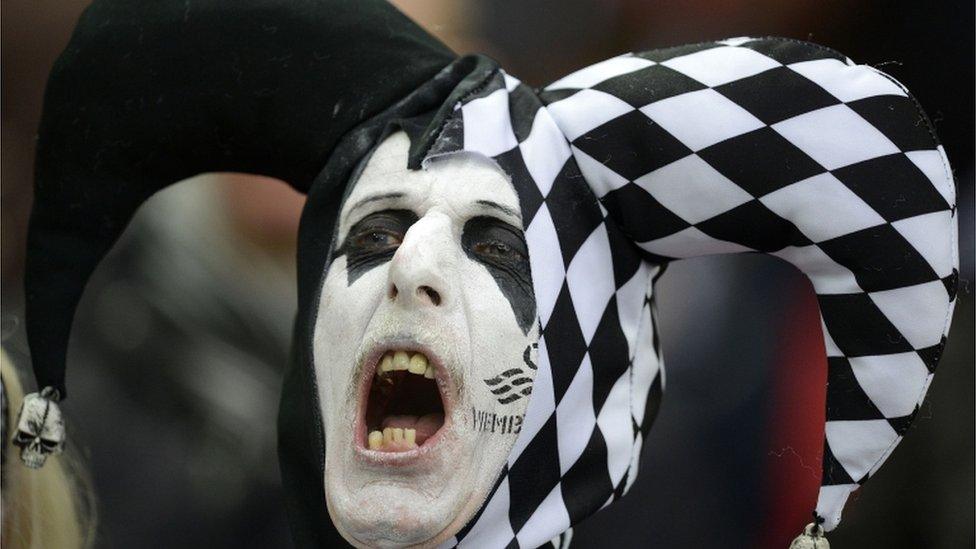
148,94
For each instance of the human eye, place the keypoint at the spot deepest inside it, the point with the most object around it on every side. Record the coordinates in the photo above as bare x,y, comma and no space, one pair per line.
377,239
379,232
495,248
493,240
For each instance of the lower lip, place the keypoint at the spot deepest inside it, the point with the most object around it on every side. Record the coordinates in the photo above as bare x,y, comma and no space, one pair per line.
408,457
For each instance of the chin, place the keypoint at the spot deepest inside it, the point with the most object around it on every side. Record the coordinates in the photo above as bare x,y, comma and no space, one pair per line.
407,469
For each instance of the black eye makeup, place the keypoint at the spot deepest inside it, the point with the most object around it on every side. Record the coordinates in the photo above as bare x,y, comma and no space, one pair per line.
373,240
501,248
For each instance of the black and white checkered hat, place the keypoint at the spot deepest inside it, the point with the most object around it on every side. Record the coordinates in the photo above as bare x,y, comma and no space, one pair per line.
744,145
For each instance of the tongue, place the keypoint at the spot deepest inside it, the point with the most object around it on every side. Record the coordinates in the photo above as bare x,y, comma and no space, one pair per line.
425,425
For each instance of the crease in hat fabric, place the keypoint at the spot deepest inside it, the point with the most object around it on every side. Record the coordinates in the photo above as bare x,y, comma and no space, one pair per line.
745,145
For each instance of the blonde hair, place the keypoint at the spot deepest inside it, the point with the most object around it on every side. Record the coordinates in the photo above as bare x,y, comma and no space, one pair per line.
51,507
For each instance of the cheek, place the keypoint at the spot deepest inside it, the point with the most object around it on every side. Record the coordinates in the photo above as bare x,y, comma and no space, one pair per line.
515,286
345,308
343,316
488,306
503,353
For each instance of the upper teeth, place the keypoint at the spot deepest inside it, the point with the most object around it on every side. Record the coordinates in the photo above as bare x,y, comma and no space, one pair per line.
418,364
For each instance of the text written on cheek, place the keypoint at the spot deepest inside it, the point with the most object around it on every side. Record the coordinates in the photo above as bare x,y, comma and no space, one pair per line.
491,422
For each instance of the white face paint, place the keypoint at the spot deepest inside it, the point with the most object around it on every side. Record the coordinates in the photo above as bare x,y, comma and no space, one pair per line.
433,264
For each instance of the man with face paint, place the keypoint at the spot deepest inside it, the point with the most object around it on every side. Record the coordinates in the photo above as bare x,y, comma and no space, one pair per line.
424,345
475,354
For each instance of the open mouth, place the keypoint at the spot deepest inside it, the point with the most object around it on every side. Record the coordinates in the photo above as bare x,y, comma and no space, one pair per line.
404,404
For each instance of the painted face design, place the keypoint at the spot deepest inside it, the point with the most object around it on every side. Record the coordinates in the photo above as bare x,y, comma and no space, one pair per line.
425,346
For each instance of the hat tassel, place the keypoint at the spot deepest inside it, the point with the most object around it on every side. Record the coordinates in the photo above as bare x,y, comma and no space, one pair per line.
40,428
812,536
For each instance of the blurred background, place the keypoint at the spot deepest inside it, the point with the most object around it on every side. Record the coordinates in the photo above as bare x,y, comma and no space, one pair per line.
200,293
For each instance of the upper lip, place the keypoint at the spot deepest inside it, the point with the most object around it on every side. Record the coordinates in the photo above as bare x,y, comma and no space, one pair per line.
445,384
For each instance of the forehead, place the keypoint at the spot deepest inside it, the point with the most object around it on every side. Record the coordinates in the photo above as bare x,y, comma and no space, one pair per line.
456,180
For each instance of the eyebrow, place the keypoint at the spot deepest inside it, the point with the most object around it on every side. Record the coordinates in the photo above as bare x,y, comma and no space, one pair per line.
373,198
377,197
499,207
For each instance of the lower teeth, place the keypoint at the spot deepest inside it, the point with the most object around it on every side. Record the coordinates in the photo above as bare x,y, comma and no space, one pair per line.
393,439
394,435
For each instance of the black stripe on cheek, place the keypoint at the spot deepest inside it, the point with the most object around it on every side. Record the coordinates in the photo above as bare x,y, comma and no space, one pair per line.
512,276
358,265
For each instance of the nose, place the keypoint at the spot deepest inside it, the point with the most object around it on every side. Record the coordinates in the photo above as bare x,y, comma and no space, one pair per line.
420,271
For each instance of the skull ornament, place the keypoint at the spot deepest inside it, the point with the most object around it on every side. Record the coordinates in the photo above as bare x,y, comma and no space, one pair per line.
811,538
40,428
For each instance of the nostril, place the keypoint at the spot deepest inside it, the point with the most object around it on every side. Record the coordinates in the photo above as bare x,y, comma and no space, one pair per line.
393,291
431,293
